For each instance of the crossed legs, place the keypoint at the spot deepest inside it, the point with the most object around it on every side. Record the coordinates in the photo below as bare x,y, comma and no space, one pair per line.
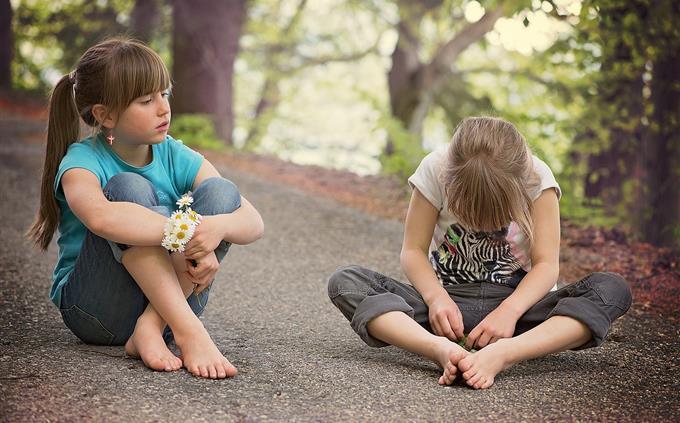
383,311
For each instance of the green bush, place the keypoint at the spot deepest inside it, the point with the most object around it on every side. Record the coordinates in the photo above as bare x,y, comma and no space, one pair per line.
407,149
196,131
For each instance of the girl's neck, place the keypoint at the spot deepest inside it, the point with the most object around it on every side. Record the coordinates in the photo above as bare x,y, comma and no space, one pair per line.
135,155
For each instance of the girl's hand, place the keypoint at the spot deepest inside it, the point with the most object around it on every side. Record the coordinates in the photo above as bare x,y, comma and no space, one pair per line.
204,272
445,318
498,324
207,237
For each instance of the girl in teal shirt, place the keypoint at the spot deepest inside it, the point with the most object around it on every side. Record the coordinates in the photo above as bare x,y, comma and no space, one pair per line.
125,274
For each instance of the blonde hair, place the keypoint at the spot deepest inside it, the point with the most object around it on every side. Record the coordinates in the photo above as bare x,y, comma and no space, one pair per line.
112,73
489,176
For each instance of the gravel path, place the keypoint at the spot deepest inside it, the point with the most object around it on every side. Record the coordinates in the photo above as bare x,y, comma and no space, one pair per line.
297,357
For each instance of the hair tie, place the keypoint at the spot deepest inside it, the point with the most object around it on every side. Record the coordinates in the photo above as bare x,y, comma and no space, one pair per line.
72,77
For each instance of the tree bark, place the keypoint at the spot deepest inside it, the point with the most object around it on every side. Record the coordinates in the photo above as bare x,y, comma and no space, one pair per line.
620,160
144,19
412,84
403,78
205,45
6,45
662,164
264,112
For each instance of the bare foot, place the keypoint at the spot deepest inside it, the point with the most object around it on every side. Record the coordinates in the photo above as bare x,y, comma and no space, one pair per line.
147,343
448,355
480,368
202,358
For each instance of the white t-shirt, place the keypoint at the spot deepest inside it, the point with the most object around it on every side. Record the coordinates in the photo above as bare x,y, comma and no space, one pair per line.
461,256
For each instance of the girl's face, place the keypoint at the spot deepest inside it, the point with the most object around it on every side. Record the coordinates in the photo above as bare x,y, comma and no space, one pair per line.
145,121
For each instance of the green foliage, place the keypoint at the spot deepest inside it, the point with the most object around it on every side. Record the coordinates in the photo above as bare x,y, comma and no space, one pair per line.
620,48
588,96
50,36
458,100
407,152
197,131
575,206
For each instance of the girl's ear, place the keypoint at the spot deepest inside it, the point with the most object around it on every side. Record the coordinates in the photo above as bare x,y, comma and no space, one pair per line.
102,115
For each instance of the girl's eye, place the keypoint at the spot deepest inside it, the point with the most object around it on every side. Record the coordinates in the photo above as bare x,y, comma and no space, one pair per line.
147,100
166,93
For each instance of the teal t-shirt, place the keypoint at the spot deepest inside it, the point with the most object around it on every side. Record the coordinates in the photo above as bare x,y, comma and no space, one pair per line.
172,172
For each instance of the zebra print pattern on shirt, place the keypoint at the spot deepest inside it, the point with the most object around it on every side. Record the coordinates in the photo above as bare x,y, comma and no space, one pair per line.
466,256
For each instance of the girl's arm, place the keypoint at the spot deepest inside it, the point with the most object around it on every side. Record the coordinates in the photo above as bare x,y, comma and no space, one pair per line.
243,226
545,256
445,318
130,223
122,222
544,272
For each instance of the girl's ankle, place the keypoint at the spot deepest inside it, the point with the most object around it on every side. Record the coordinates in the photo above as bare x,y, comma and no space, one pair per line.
187,331
438,349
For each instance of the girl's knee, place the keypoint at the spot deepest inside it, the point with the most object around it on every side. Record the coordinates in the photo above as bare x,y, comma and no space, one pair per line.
216,196
346,278
612,288
131,187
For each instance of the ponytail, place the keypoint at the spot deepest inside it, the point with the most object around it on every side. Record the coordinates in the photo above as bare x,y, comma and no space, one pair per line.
63,127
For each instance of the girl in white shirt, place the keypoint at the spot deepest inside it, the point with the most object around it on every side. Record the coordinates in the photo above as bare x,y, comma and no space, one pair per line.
481,250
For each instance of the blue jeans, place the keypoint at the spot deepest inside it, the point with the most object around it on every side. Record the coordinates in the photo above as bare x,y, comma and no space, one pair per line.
101,302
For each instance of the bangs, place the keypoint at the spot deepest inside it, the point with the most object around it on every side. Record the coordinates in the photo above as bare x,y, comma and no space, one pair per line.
135,70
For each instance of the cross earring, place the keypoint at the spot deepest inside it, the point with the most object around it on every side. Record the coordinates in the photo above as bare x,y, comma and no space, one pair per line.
110,138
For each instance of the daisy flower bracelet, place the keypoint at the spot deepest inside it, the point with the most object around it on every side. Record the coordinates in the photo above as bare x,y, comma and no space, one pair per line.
181,225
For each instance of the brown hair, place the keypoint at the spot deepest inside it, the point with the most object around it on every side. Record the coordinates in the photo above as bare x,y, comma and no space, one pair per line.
112,73
489,176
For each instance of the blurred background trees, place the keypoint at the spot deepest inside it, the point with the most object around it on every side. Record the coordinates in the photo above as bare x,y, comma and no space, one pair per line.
372,85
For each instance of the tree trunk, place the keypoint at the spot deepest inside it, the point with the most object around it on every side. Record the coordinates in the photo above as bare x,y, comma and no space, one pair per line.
615,163
403,78
144,19
270,94
620,159
205,44
662,165
413,84
270,97
6,45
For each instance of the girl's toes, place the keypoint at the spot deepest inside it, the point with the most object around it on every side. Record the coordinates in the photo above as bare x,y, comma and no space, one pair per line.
203,371
473,380
212,372
193,370
464,365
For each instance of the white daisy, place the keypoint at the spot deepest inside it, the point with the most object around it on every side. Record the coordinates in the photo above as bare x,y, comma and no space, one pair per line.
173,244
186,200
186,225
193,216
169,227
